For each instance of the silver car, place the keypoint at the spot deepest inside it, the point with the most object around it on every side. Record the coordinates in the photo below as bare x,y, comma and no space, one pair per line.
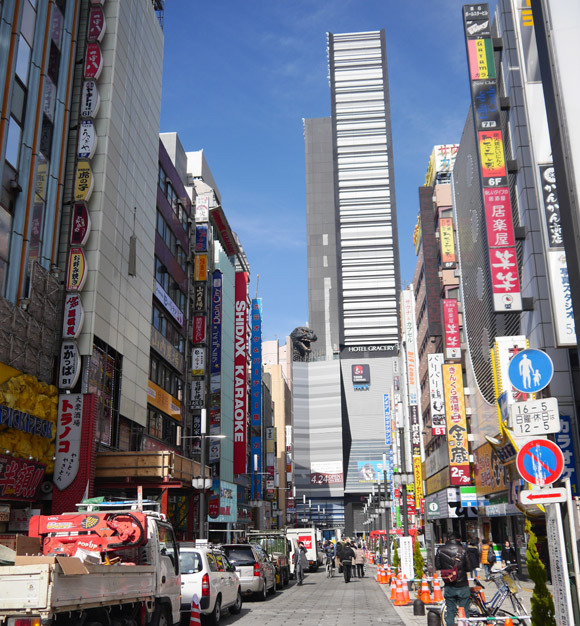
254,568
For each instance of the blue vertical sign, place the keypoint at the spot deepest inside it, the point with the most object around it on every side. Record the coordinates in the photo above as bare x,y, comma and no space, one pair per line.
256,362
564,440
387,410
256,391
256,490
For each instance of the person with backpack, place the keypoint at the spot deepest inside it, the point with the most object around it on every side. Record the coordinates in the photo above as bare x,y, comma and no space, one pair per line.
455,562
487,557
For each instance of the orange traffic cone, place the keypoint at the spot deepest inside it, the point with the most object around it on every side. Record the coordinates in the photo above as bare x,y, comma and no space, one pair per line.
437,593
405,585
425,594
385,577
195,619
508,621
393,588
388,574
378,578
400,598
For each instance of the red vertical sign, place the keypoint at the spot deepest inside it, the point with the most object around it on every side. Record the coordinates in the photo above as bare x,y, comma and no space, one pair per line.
451,329
240,373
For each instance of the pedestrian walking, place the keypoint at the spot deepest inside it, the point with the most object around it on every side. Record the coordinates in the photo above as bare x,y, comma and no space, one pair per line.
360,559
455,562
473,548
346,557
338,556
508,554
485,552
301,562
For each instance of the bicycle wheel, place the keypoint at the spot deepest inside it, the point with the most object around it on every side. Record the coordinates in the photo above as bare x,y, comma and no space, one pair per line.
474,611
518,609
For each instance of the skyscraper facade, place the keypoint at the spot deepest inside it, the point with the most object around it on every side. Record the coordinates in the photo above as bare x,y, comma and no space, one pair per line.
339,393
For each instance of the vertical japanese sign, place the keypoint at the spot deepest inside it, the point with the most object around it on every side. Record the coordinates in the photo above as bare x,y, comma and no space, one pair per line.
216,323
505,281
410,335
240,372
387,412
447,244
451,329
215,356
564,441
561,295
256,362
68,439
436,395
456,424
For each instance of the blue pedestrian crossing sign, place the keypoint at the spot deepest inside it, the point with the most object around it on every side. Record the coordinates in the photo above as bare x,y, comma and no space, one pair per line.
530,370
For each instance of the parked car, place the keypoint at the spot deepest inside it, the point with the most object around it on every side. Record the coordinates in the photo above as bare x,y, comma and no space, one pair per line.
206,571
254,567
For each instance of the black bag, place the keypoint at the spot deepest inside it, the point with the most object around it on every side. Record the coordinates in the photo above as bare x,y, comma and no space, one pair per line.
491,558
450,575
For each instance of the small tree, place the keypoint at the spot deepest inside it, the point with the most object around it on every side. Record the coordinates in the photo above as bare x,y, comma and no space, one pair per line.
396,560
418,560
543,612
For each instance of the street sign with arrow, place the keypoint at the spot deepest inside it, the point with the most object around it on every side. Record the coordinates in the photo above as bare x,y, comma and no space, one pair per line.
542,496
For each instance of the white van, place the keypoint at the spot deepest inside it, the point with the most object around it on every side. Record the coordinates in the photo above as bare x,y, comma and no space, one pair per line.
308,537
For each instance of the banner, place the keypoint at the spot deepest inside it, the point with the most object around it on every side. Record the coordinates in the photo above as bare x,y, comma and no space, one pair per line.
436,396
256,462
256,363
451,329
456,425
240,372
447,244
216,323
68,439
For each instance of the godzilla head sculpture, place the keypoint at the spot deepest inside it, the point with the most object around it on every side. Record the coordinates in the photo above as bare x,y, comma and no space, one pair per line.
301,338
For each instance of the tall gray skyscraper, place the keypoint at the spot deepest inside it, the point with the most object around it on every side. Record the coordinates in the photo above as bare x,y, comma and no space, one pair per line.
353,262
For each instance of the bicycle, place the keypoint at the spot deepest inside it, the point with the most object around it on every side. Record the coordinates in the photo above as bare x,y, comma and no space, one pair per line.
329,567
507,587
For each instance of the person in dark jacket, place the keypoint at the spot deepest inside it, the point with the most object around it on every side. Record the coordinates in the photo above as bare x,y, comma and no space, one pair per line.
456,593
346,557
508,554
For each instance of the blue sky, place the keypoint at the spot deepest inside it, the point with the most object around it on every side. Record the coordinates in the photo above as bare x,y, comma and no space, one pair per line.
239,77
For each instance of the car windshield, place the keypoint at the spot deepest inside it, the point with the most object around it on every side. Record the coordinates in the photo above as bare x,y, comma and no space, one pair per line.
190,562
242,555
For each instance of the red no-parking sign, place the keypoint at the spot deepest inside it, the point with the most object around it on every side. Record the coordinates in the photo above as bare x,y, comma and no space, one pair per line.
540,462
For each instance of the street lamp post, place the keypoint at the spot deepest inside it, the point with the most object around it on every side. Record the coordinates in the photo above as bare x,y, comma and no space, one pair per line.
388,505
202,483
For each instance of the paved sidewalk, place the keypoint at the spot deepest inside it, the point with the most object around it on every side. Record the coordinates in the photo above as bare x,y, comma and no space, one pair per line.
406,612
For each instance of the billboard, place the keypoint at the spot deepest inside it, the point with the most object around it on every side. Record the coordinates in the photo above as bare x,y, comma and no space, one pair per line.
370,471
240,372
326,473
361,376
503,265
456,425
447,244
451,329
436,395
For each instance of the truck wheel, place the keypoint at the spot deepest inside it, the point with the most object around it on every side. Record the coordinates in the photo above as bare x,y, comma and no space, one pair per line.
285,577
273,587
161,616
215,615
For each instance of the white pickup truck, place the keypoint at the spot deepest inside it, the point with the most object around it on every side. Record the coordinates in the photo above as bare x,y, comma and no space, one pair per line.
113,568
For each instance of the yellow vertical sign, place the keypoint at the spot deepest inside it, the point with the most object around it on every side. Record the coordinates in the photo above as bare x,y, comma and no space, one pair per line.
456,424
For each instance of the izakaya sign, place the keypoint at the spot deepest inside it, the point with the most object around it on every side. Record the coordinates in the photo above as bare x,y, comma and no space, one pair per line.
456,425
240,372
68,439
451,329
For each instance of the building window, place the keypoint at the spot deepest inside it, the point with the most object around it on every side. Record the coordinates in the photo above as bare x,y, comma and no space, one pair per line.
13,142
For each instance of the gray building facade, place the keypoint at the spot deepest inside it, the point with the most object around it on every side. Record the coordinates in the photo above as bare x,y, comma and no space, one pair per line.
353,285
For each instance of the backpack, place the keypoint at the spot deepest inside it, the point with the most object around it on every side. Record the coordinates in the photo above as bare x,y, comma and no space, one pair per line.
491,558
450,575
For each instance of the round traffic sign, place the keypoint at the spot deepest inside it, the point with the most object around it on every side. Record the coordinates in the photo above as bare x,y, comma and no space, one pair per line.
540,462
530,370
